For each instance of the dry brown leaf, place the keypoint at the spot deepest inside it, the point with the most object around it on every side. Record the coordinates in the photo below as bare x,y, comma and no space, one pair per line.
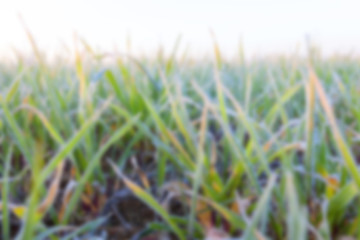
53,190
66,198
144,179
204,214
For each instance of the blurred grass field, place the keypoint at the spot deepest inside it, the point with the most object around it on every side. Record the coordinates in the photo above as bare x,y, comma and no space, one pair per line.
175,148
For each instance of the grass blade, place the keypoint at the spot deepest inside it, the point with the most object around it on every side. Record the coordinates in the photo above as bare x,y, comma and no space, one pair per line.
150,201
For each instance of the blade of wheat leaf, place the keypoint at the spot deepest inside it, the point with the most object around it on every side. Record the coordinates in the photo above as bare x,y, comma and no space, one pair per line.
30,221
150,201
339,140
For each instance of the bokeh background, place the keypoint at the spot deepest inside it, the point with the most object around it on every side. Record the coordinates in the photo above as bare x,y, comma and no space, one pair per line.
262,26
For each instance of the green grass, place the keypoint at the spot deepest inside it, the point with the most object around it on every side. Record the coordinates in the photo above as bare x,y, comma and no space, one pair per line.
262,149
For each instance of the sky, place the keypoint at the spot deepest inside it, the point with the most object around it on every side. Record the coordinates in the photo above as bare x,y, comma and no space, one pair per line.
263,26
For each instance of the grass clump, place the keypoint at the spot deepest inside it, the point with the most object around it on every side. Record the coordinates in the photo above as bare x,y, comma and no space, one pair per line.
180,149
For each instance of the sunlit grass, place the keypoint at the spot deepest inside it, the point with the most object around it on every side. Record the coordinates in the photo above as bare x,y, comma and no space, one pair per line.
266,149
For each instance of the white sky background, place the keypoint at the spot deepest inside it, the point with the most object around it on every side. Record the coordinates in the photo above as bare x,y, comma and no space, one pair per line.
265,26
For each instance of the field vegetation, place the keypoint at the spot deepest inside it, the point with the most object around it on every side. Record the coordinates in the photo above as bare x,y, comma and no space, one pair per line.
174,148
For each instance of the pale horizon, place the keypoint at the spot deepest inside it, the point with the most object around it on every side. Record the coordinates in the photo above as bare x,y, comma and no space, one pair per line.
263,27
